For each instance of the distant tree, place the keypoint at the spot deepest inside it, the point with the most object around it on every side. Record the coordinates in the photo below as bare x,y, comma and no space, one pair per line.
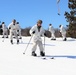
25,31
57,33
48,34
71,18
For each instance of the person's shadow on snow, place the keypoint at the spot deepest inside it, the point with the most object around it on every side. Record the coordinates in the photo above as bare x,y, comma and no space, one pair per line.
61,56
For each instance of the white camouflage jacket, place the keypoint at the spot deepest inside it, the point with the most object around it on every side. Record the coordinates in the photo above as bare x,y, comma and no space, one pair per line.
38,34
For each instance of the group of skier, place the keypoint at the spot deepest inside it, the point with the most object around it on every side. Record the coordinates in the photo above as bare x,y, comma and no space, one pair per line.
62,32
36,32
14,30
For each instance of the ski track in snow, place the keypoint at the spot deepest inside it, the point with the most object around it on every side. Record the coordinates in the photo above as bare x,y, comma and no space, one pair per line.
13,62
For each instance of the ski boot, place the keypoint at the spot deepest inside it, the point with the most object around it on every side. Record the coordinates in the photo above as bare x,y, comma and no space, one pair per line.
7,37
20,38
54,39
34,54
65,39
14,37
51,39
42,53
3,37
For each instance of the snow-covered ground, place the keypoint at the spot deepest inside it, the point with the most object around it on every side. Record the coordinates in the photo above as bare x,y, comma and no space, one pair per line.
13,62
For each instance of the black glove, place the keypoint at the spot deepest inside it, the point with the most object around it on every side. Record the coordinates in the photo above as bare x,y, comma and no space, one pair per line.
9,27
17,34
44,34
17,30
14,24
33,32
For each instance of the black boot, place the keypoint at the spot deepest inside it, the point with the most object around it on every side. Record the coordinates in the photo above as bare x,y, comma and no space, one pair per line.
34,54
42,53
14,37
65,39
54,39
3,37
20,38
17,41
11,41
7,37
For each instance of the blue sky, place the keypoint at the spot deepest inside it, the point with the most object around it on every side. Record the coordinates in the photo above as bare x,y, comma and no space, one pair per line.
27,12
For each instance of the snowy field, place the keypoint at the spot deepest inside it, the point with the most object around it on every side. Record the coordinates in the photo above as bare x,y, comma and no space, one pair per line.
13,62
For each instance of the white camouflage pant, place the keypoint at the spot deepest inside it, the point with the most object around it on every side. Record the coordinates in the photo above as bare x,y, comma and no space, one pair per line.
53,36
40,45
64,35
13,33
19,33
5,32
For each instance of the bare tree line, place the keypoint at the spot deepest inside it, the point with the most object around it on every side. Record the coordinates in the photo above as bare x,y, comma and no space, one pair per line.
25,32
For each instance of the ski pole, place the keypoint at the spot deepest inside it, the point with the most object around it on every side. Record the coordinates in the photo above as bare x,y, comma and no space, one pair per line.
21,40
44,43
44,48
27,45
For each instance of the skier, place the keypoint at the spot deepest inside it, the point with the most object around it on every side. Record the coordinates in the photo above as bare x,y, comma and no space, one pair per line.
13,31
5,30
63,32
37,31
18,30
51,29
